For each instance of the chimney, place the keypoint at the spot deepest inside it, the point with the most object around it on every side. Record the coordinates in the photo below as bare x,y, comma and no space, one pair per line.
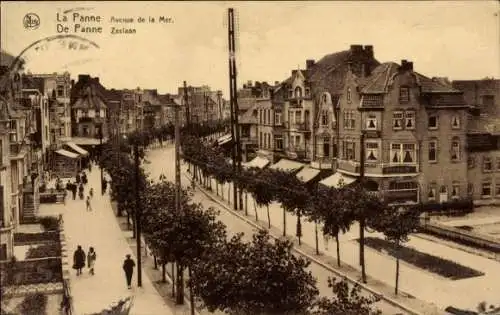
406,65
369,51
276,83
97,79
84,78
72,83
249,83
309,63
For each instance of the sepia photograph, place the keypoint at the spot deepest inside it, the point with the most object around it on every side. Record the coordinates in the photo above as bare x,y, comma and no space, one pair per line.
250,157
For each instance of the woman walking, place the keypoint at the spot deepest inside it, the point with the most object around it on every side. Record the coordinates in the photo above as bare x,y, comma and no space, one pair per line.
89,207
79,260
91,257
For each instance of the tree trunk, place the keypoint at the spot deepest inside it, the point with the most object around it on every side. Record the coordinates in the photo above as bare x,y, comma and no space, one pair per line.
217,188
284,221
229,193
156,262
133,228
362,249
180,284
316,236
173,279
396,287
128,220
191,294
338,248
255,209
298,231
268,217
246,204
163,273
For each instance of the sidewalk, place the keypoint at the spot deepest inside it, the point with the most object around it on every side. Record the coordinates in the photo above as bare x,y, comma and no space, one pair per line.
100,229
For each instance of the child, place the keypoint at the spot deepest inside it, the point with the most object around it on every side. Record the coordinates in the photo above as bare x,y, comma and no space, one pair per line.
91,257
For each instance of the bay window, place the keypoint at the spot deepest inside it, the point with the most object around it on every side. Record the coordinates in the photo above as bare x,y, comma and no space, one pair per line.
403,153
372,151
397,120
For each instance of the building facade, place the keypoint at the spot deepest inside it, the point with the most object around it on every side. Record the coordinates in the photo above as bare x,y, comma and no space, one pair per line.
483,139
203,104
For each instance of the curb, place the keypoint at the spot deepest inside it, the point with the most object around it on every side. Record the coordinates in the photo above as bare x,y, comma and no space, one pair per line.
338,273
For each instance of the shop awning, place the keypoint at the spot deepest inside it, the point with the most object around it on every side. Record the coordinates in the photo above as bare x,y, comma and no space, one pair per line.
66,153
307,174
287,165
338,180
258,162
77,149
87,141
224,139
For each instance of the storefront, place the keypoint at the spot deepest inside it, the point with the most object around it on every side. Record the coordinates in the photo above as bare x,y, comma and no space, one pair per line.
66,163
84,154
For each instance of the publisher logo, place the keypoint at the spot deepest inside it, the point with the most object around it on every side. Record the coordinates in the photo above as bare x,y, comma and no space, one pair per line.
31,21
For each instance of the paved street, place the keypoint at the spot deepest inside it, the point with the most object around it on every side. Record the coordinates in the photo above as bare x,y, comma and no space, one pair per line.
429,287
99,229
162,162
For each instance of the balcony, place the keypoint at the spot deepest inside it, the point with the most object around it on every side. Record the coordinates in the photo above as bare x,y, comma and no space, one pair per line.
301,126
322,163
296,153
379,169
293,102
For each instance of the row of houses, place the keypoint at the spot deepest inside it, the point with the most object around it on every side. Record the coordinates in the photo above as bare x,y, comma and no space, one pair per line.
422,138
51,124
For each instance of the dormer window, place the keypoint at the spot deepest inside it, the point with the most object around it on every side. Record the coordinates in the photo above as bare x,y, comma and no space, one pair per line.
371,122
290,93
404,95
308,92
298,92
348,95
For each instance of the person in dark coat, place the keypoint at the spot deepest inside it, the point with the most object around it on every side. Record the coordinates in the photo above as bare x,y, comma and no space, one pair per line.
78,178
128,267
104,186
73,190
79,258
84,179
68,185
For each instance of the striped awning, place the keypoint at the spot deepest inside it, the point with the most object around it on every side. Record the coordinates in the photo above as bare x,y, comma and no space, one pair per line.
67,153
287,165
77,149
307,174
337,180
224,139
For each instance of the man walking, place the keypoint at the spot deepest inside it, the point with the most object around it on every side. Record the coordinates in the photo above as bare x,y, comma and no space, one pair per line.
89,207
128,267
79,260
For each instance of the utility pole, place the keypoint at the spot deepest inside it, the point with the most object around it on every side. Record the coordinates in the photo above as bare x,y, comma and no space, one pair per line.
100,157
232,97
138,214
180,271
219,99
186,103
362,221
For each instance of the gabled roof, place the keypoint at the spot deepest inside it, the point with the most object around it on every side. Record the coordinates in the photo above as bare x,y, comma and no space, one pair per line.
89,100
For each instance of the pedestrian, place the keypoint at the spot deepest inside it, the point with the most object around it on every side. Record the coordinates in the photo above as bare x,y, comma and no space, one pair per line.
91,257
90,165
80,191
91,193
84,178
78,178
79,260
73,190
128,267
104,186
89,207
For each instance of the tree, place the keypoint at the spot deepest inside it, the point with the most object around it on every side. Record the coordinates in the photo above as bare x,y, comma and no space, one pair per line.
179,236
396,223
327,205
254,181
247,278
345,301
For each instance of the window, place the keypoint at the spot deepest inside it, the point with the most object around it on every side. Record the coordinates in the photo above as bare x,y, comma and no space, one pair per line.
325,99
371,122
497,187
60,91
47,133
470,189
324,118
371,151
487,165
260,117
326,146
349,121
277,119
297,117
349,150
471,162
403,153
498,163
278,142
409,120
85,131
432,193
455,191
404,95
297,141
397,120
261,143
488,100
348,95
455,149
307,92
486,189
455,122
433,149
268,116
290,93
433,121
298,92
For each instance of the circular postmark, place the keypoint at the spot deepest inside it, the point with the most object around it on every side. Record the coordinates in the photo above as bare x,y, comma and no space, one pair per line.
31,21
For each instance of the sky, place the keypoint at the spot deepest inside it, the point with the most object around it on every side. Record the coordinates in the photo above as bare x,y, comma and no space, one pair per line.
458,40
